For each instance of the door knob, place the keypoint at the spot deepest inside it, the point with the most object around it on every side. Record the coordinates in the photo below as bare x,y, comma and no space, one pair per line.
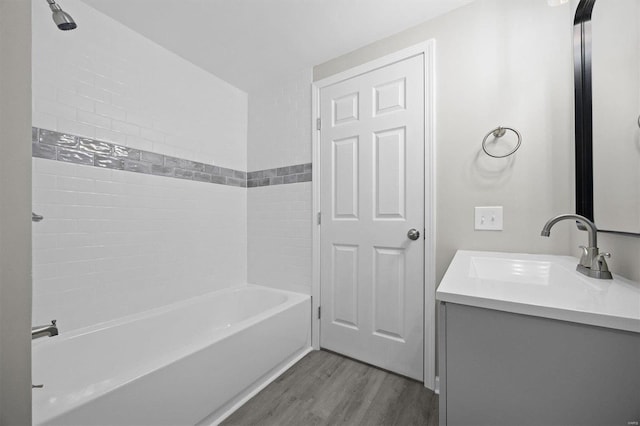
413,234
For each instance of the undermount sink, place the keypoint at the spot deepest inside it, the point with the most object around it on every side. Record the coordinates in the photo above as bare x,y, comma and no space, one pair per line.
540,285
510,270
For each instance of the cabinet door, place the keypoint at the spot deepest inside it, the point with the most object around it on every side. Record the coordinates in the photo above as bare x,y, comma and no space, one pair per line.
507,369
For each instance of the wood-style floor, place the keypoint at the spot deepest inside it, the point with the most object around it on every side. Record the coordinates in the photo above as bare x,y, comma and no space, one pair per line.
324,388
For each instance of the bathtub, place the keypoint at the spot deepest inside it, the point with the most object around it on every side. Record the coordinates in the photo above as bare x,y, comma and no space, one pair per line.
189,363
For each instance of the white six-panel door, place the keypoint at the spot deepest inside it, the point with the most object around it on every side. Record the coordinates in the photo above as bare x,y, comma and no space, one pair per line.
372,195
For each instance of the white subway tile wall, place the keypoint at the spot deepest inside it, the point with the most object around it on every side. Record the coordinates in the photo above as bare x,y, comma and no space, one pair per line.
114,243
280,124
279,217
105,81
279,230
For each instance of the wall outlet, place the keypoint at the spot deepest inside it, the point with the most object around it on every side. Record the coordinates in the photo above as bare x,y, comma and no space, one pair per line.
488,218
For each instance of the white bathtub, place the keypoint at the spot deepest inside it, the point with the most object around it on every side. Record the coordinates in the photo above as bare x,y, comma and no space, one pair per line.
184,364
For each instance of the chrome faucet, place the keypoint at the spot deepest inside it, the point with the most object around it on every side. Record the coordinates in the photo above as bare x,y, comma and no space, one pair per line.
44,330
592,263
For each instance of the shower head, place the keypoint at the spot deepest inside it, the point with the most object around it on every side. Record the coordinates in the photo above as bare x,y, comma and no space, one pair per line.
63,20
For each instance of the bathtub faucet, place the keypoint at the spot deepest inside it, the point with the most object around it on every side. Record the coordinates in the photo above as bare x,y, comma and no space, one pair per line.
44,330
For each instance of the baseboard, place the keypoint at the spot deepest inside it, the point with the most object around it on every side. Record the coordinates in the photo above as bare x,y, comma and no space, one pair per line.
262,383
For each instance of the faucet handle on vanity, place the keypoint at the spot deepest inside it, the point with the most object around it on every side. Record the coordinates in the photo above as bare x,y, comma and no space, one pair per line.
584,259
600,267
587,255
601,263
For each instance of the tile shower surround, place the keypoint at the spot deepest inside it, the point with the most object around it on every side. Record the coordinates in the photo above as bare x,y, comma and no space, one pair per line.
65,147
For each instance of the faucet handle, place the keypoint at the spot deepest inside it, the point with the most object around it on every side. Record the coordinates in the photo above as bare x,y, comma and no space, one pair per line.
600,263
53,322
584,259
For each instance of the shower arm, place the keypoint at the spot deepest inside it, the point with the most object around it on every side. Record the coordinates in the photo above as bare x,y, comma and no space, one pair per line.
53,5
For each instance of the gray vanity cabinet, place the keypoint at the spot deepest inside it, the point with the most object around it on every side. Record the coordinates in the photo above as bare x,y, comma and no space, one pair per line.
500,368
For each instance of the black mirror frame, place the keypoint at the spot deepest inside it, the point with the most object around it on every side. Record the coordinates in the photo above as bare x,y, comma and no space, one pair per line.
584,112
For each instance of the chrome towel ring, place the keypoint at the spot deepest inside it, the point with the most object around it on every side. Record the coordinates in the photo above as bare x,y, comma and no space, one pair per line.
499,132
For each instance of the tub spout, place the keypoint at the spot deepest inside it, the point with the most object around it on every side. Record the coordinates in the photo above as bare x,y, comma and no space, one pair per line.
44,330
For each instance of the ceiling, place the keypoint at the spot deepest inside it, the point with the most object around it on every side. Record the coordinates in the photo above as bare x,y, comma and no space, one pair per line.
252,43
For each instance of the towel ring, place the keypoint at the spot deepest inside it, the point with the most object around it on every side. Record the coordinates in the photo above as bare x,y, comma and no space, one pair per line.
499,132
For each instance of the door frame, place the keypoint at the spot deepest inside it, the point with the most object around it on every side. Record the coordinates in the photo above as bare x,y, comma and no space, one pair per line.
427,51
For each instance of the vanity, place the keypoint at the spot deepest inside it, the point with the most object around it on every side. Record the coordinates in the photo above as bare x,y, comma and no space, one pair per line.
525,339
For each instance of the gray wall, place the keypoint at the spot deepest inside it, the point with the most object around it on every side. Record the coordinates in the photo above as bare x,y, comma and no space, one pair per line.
498,62
15,207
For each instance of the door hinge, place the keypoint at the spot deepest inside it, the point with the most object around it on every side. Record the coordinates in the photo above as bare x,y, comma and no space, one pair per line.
319,312
318,124
319,218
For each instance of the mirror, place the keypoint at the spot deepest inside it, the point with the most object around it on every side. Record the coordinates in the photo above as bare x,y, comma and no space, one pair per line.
607,80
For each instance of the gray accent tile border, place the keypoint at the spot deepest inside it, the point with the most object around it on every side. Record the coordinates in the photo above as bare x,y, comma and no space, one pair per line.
279,175
90,152
57,146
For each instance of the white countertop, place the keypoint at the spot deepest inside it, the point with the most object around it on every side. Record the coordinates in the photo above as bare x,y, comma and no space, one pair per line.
540,285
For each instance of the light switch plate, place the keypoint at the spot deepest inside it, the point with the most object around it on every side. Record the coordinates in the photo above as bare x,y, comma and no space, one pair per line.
488,218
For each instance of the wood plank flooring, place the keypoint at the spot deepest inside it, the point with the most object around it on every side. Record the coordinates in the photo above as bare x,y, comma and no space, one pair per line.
325,388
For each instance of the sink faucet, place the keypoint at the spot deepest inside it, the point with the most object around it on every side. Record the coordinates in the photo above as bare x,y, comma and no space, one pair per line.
592,263
44,330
